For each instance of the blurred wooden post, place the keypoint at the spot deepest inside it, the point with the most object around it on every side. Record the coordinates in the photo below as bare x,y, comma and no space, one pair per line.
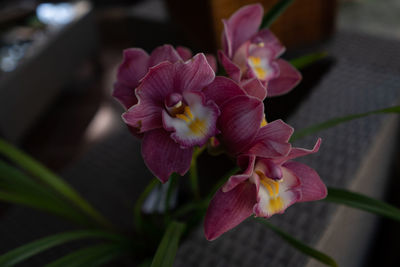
304,22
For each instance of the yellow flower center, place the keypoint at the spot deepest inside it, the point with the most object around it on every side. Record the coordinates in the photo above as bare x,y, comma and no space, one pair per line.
260,72
196,126
275,203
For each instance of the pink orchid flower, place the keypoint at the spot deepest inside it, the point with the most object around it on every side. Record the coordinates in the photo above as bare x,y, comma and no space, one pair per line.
136,63
173,114
242,123
267,186
251,57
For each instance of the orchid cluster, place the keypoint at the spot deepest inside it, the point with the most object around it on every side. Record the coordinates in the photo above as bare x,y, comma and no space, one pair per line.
175,103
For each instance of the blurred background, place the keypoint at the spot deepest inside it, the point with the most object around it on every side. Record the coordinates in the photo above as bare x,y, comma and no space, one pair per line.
58,62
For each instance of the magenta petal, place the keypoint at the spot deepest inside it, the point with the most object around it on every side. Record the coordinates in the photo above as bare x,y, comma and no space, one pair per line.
184,52
299,152
272,140
227,210
239,122
193,75
133,67
222,89
241,26
231,68
270,41
124,94
212,61
312,188
163,156
157,84
143,117
163,53
254,88
288,78
244,161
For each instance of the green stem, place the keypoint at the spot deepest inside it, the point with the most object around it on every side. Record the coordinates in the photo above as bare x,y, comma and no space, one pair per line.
137,210
194,183
52,180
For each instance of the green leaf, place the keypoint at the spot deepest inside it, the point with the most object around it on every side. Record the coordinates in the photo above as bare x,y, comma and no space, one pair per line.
137,210
92,256
166,251
17,188
275,12
49,178
306,60
335,121
297,244
26,251
362,202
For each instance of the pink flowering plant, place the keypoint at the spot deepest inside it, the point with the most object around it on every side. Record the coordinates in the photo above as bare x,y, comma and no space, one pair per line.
181,105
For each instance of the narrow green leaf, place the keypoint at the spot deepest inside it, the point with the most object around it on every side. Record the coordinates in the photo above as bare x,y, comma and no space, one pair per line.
275,12
168,247
335,121
16,187
96,255
26,251
36,202
297,244
49,178
137,210
306,60
362,202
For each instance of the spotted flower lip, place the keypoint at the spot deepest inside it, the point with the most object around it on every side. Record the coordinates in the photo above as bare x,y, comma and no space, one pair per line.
250,54
173,114
266,187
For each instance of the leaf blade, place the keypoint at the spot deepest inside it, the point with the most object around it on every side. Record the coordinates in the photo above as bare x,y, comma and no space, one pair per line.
95,255
308,59
360,201
335,121
297,244
18,188
168,247
52,180
28,250
275,12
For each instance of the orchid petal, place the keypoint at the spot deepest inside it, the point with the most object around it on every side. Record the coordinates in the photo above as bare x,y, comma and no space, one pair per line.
222,89
197,124
163,53
193,75
231,68
268,39
125,94
275,196
144,116
269,168
311,186
288,78
184,52
227,210
212,61
272,140
299,152
241,26
234,180
133,67
255,88
157,84
240,121
163,156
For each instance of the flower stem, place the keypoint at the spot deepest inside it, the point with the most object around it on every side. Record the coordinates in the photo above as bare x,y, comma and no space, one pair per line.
193,174
194,181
